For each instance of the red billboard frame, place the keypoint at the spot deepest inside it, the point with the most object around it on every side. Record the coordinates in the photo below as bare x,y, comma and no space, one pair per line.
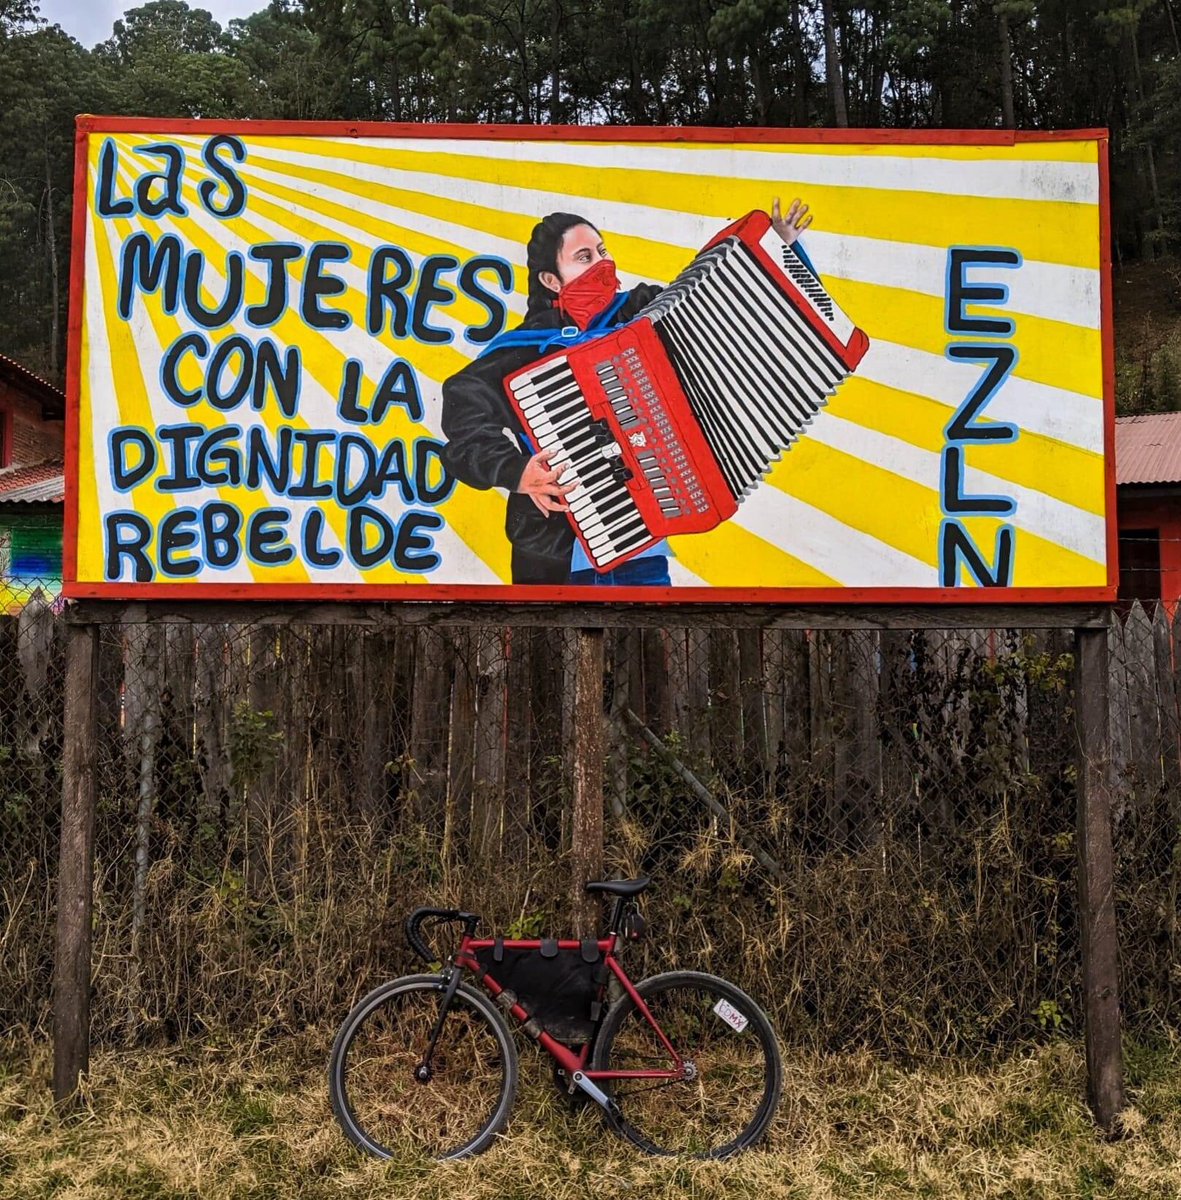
502,593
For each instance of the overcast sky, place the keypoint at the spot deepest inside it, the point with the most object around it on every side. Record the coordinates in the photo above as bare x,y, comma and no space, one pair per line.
91,21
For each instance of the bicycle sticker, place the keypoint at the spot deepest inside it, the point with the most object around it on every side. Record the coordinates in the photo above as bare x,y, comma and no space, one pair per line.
731,1015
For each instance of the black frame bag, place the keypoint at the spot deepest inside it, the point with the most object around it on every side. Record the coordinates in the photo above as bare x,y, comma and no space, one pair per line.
558,988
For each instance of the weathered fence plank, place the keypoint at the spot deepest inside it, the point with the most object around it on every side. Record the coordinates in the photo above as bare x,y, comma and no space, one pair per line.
489,757
1143,704
586,837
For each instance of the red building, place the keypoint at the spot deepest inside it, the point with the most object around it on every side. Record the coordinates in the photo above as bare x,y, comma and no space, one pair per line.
1148,506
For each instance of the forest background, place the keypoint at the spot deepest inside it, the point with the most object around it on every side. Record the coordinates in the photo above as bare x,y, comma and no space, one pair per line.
1028,64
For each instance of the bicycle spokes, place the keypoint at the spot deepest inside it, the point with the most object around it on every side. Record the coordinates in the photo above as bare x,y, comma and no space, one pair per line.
721,1087
396,1101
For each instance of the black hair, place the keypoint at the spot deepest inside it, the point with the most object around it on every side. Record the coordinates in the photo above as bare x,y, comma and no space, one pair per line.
542,255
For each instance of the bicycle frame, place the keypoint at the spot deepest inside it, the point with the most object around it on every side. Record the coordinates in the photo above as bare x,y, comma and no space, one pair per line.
575,1064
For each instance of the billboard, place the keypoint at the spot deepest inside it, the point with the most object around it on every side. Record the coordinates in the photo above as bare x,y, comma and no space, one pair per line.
450,362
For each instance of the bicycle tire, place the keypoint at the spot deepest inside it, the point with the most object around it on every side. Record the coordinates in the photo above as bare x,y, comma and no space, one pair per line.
728,1105
380,1105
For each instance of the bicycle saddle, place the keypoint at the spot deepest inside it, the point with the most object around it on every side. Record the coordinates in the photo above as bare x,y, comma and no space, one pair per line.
619,887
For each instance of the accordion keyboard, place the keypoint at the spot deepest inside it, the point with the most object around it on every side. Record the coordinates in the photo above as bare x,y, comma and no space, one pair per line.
633,462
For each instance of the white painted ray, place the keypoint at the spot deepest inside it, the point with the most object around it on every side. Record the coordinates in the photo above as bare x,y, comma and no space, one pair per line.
993,178
1067,416
680,576
1064,524
853,558
474,241
1036,289
101,391
1049,290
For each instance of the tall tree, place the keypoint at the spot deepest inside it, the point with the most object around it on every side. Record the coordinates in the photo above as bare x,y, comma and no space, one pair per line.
833,73
45,79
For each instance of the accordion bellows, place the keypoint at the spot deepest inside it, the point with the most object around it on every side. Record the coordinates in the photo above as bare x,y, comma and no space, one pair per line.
671,420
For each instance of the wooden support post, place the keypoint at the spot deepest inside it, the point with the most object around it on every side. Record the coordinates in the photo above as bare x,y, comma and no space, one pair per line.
586,834
71,970
1100,947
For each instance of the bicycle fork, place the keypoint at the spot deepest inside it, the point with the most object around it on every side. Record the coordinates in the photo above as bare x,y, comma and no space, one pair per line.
423,1072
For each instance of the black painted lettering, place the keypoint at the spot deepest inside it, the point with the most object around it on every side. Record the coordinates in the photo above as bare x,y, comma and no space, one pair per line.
348,405
176,537
365,523
356,469
428,293
399,385
128,536
198,343
261,462
231,301
392,469
126,474
105,203
432,481
473,289
311,485
315,553
220,536
182,441
224,175
389,292
954,499
266,537
415,548
961,293
146,266
280,377
235,357
957,546
318,286
1001,360
276,255
219,462
169,199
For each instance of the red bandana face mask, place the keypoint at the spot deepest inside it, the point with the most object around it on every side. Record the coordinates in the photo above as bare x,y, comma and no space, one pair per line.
585,297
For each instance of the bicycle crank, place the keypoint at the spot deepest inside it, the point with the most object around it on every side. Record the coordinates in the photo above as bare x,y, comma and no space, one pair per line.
595,1092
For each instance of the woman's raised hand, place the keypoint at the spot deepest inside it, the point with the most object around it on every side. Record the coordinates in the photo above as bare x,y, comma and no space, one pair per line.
790,227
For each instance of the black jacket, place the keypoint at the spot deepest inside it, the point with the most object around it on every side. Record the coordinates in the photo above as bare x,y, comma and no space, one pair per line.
476,413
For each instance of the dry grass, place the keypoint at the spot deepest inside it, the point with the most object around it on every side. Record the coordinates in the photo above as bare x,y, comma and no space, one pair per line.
227,1121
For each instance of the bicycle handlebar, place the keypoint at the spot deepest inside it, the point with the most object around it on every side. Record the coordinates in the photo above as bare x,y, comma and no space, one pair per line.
416,918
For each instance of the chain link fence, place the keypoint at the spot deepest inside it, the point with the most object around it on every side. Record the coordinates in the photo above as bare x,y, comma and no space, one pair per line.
874,832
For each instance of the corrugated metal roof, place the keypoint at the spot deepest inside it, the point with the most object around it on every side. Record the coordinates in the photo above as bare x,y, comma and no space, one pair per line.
44,482
1148,448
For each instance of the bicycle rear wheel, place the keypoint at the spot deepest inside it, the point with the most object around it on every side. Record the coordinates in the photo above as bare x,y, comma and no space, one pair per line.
382,1106
734,1076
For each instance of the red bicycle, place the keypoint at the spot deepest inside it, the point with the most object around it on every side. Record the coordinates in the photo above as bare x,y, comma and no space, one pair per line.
680,1063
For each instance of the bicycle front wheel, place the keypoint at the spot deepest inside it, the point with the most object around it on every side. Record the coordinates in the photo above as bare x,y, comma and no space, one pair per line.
733,1071
382,1105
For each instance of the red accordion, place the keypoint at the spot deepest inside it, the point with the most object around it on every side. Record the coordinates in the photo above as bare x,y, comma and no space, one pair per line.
671,420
